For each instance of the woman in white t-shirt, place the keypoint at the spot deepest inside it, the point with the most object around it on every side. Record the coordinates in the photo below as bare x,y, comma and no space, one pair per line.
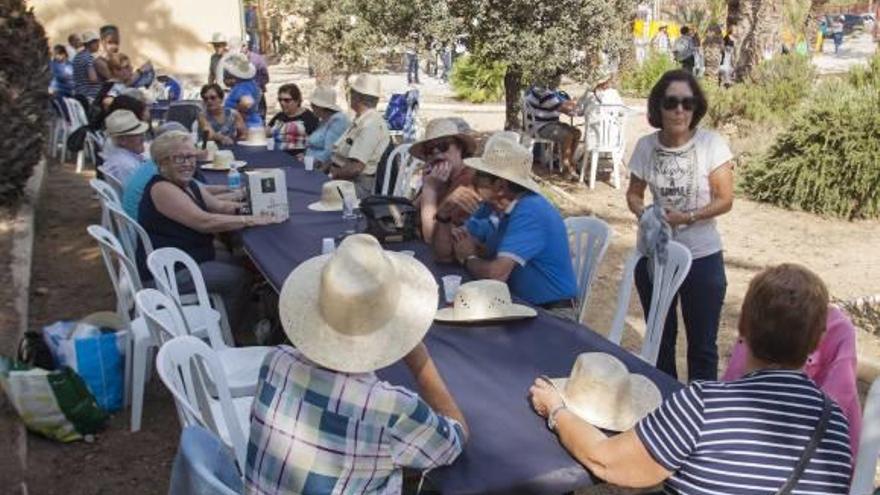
690,173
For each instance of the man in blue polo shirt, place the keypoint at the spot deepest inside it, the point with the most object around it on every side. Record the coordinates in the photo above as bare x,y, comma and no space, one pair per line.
516,235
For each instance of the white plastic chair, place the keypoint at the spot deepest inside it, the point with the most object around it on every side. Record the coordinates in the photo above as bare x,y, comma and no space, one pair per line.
397,160
108,196
60,131
180,363
869,445
241,364
530,129
77,115
610,141
112,180
589,239
667,279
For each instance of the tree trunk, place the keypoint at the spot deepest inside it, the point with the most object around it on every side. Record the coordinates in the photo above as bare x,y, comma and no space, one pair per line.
811,23
512,99
712,47
755,25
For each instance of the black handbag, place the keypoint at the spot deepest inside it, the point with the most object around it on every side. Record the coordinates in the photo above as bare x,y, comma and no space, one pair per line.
390,218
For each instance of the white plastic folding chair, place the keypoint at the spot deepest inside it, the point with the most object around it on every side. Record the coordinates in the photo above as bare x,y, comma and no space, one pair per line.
60,130
241,364
77,115
397,160
182,363
589,239
869,445
530,128
107,196
668,278
112,180
610,140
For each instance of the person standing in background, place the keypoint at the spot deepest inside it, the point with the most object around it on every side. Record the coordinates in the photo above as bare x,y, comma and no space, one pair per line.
85,78
219,43
262,76
62,73
252,26
412,59
74,45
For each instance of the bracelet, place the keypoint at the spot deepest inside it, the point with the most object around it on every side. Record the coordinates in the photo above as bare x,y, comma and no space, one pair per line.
551,417
470,257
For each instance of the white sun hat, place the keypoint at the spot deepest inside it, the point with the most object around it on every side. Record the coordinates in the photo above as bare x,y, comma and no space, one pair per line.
325,97
124,123
218,38
506,159
439,129
360,308
602,392
239,66
330,198
483,300
367,84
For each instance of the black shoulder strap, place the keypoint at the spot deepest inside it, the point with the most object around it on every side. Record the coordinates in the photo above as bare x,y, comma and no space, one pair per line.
801,466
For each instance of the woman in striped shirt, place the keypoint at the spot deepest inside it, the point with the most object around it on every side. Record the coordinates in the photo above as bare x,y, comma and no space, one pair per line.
749,436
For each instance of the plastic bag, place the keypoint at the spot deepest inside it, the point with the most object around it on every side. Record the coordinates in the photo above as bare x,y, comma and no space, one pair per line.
98,356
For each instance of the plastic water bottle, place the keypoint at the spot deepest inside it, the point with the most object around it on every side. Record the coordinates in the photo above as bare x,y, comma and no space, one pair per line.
233,179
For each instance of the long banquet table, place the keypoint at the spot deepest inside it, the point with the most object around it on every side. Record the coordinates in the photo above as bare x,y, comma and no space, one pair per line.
488,369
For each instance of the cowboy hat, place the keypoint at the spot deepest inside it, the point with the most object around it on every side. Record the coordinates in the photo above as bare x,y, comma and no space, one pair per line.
238,65
601,391
506,159
483,300
218,39
439,129
330,198
325,97
124,123
367,84
359,308
89,36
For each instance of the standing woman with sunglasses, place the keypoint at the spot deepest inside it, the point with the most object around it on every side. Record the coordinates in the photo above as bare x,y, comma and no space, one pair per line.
690,173
222,125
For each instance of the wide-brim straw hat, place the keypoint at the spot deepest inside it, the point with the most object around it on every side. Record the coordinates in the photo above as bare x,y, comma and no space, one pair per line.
359,308
602,392
218,39
506,159
124,123
439,129
367,84
484,300
330,198
238,65
325,97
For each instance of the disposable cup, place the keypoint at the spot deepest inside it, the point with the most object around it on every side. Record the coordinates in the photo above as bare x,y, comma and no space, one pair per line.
270,144
309,162
450,286
328,245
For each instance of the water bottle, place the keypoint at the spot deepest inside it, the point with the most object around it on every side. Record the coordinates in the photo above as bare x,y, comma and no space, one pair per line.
233,179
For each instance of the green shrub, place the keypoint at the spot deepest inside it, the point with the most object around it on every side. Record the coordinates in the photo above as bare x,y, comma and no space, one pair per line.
639,81
828,160
866,76
478,82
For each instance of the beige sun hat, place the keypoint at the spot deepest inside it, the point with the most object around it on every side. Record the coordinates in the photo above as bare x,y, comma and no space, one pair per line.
506,159
602,392
89,36
325,97
124,123
239,66
218,39
367,84
484,300
360,308
330,199
438,129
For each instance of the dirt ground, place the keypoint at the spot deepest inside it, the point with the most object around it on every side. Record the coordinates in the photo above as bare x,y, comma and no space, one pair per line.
69,281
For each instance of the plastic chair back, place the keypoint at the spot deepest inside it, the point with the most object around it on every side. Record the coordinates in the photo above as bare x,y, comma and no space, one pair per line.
122,271
397,159
610,128
589,239
162,315
182,363
108,196
112,180
204,464
130,232
869,445
185,112
668,278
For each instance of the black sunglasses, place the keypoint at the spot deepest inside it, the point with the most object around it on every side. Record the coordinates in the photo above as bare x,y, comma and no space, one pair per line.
441,146
672,102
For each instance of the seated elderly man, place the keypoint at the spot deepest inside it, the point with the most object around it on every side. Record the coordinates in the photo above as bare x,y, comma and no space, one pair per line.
516,235
547,104
357,153
771,431
127,153
447,193
322,422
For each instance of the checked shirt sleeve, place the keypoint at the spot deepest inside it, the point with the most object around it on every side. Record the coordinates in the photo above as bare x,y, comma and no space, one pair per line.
423,439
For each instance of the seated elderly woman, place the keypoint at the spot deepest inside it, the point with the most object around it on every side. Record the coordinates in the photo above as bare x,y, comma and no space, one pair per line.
290,128
178,212
772,428
333,123
222,125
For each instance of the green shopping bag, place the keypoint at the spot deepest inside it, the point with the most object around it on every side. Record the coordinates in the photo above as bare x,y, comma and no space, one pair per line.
55,404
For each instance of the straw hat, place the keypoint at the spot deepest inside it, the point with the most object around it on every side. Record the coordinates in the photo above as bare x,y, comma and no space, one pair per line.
507,160
239,66
124,123
325,97
484,300
602,392
89,36
360,308
218,39
367,84
330,199
438,129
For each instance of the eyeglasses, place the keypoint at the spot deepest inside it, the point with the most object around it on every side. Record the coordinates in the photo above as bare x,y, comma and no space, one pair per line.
687,103
285,100
183,159
440,147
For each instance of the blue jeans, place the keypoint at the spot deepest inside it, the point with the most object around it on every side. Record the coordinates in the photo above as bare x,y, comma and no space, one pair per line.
412,68
702,296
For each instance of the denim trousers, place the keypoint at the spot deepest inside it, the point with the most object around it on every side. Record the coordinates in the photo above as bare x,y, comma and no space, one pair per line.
702,297
412,68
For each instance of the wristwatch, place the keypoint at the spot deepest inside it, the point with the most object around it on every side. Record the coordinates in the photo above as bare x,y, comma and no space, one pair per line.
551,418
470,257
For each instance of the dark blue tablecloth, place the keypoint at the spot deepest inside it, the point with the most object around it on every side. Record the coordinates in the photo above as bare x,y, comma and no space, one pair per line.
488,369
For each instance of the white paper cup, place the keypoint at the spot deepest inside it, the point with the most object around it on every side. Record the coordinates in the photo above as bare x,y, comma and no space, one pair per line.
450,286
328,245
309,162
270,144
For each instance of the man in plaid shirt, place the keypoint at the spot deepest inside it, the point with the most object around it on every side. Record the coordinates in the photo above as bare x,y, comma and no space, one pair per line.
322,422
